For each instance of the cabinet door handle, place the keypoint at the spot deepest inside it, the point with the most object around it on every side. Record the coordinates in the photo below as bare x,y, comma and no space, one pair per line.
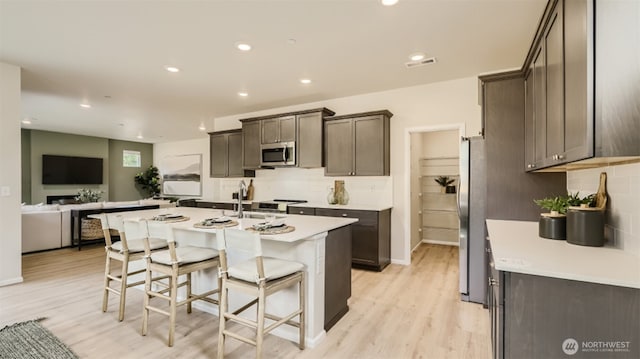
560,157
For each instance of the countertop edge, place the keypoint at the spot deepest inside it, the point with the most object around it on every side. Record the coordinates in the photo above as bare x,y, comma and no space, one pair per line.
523,251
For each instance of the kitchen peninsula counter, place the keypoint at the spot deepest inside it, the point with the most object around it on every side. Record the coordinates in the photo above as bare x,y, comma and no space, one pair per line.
517,248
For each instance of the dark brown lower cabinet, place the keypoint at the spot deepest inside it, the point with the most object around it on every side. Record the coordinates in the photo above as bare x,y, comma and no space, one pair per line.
371,236
541,317
337,277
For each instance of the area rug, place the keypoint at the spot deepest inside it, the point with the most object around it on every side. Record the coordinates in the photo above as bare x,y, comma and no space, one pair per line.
31,340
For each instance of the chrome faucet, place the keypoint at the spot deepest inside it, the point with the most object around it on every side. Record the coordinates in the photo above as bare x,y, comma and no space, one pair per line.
242,188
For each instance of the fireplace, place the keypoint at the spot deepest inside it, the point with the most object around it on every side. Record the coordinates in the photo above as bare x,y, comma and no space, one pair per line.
62,199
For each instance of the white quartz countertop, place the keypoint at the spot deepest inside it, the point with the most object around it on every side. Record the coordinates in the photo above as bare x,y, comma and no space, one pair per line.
305,226
516,247
358,207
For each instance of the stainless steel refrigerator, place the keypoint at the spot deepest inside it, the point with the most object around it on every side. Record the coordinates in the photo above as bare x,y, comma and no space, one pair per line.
472,192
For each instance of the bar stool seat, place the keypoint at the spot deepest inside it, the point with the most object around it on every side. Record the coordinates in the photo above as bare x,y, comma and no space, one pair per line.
273,269
137,245
177,261
258,277
125,251
184,255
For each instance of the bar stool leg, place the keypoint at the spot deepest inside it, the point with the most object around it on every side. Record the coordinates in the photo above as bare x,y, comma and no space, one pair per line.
172,310
223,307
107,282
260,328
123,286
302,308
189,295
147,300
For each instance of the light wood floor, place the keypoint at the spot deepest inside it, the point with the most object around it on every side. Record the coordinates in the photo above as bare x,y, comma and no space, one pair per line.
403,312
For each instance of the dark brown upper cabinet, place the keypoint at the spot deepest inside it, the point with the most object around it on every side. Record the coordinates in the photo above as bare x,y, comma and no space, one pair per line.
280,129
305,128
225,148
582,87
357,144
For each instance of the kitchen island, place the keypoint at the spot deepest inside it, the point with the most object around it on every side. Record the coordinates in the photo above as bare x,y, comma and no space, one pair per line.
549,298
307,244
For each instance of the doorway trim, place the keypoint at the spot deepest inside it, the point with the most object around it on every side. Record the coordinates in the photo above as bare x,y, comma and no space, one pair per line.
407,175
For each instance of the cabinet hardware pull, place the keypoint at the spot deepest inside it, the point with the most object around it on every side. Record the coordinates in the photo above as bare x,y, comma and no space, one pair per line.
344,215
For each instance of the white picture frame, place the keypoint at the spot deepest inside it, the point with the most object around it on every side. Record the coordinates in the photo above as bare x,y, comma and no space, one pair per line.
182,175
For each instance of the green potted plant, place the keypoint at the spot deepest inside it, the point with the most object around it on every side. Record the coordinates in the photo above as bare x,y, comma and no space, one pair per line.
149,180
86,195
447,184
553,225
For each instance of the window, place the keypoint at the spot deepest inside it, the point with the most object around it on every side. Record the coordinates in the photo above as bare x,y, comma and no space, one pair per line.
131,158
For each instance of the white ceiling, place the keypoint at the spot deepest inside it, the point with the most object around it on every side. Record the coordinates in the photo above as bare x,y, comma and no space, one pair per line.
112,54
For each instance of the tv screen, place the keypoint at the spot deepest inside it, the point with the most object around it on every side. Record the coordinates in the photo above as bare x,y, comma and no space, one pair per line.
71,170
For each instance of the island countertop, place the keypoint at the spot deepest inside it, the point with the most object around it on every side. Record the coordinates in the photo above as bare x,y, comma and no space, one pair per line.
305,226
516,247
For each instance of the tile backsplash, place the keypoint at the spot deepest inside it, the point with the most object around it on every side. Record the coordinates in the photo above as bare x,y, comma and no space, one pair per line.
313,186
623,206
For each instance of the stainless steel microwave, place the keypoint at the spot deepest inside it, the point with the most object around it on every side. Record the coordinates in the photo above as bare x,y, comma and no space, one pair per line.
278,154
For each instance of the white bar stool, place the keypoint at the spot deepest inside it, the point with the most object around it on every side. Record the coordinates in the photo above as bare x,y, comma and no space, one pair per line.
260,277
174,262
124,251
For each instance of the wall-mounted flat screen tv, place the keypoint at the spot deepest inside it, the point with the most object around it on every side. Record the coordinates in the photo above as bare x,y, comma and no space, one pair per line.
71,170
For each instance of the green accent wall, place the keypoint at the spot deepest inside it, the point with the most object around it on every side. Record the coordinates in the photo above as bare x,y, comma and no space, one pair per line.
25,143
121,184
117,181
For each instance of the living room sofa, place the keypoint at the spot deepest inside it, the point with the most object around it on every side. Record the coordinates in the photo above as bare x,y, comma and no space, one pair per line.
48,226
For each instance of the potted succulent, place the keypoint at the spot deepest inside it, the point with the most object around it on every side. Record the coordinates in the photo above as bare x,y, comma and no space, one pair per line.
553,225
447,184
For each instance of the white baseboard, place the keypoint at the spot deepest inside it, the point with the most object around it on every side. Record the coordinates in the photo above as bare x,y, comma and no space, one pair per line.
445,243
11,281
401,262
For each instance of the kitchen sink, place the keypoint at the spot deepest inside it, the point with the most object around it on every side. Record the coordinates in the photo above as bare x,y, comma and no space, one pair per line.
255,215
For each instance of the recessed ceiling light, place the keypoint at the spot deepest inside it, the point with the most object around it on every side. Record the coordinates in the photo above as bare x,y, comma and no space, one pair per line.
26,121
305,81
172,69
417,56
243,94
389,2
139,136
85,105
202,127
291,41
243,46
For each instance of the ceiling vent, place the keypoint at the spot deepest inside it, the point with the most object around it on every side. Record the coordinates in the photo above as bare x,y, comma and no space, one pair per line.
412,64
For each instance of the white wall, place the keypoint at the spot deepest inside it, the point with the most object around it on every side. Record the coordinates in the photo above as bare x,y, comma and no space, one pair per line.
416,200
441,144
435,104
623,212
10,176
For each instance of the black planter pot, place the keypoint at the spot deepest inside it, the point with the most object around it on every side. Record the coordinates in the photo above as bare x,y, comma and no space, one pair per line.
585,227
553,227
